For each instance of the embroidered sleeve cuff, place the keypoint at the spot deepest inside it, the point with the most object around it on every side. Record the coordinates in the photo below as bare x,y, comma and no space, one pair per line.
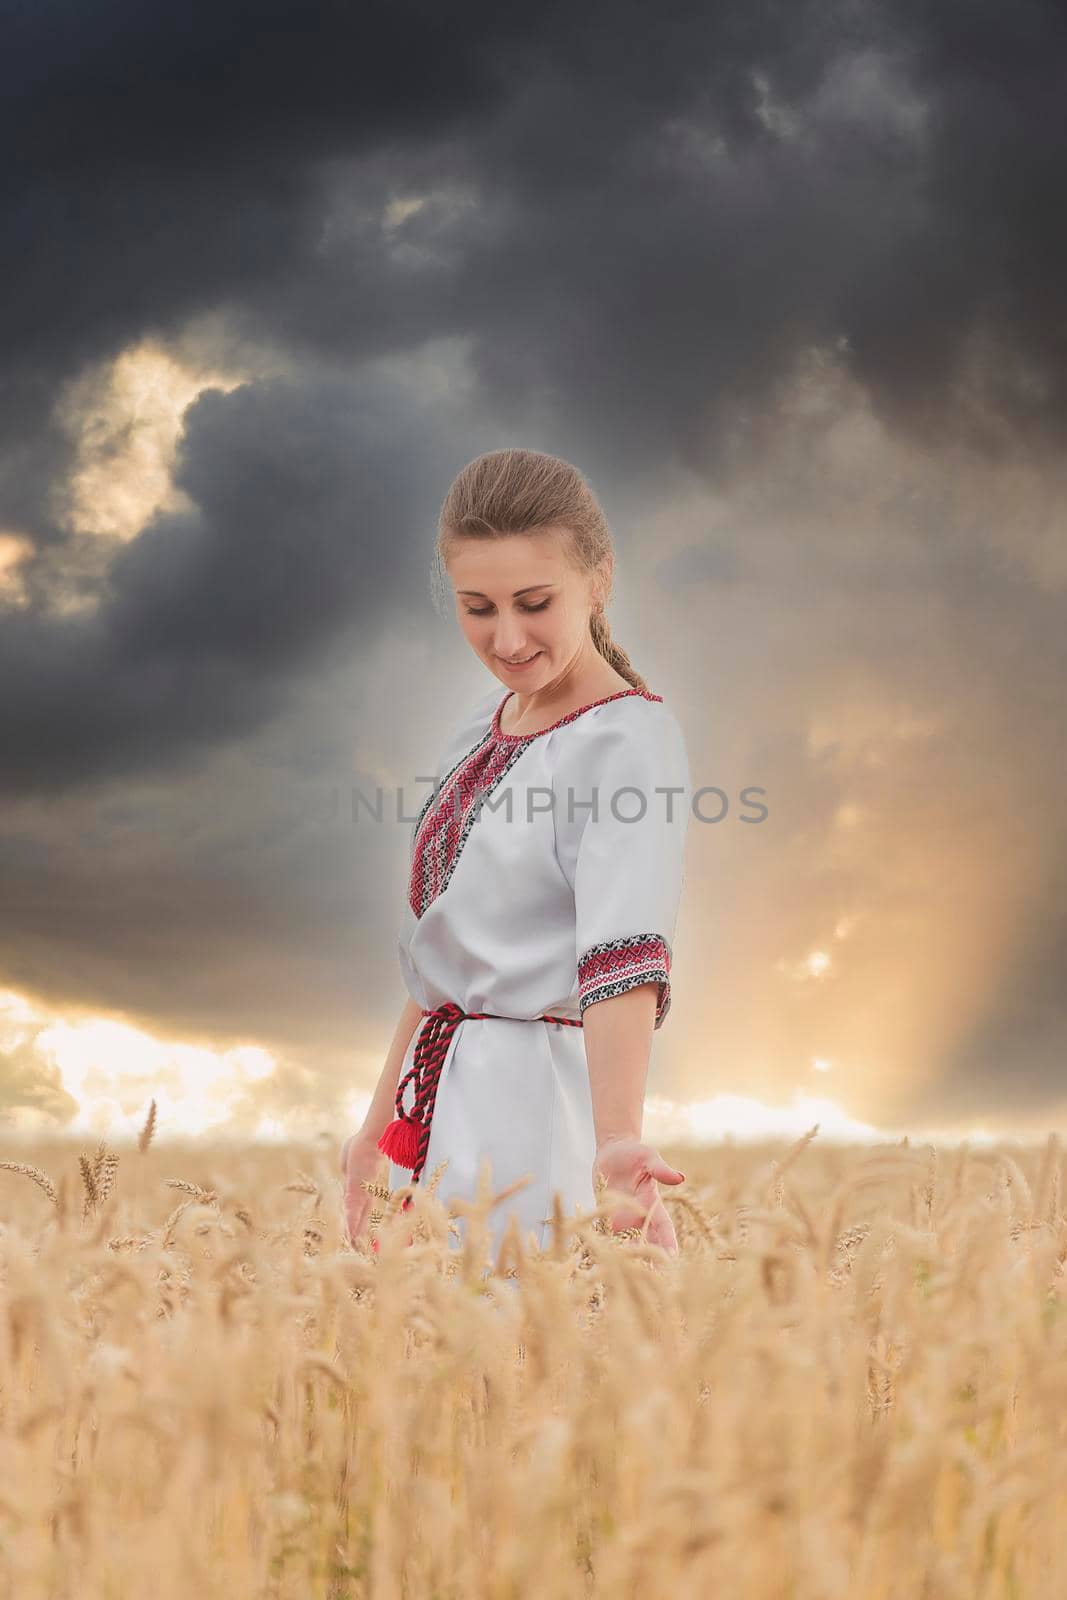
610,968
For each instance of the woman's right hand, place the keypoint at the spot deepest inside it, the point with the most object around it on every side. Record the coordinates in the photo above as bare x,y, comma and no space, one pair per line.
360,1159
633,1169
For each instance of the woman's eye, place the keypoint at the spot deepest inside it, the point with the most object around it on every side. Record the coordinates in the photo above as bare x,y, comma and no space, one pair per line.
485,610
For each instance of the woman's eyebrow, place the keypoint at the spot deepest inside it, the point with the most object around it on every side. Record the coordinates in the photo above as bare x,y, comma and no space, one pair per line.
530,587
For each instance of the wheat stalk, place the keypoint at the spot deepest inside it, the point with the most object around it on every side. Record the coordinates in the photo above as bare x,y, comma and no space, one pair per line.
89,1182
302,1184
780,1168
206,1197
40,1178
167,1235
105,1165
144,1138
691,1207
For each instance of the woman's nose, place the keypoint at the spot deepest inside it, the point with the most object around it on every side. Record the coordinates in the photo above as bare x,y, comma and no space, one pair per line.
510,639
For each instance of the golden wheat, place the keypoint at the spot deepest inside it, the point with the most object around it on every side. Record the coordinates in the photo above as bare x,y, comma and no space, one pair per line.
39,1177
851,1381
144,1138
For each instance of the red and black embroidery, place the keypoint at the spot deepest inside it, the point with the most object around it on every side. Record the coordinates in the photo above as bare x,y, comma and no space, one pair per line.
646,694
612,967
444,823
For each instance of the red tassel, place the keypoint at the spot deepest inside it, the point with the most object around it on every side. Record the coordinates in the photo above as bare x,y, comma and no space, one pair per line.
400,1141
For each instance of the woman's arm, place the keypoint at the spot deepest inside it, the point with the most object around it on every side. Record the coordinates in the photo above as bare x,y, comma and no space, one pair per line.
382,1108
618,1042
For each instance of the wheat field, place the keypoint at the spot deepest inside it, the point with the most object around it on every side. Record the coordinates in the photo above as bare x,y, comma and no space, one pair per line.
851,1381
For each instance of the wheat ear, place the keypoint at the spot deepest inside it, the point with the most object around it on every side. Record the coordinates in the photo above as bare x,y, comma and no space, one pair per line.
39,1177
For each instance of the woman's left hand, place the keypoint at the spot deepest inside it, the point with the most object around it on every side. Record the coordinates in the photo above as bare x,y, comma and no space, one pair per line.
633,1169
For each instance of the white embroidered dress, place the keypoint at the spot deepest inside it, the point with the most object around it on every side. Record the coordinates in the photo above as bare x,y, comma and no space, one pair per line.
525,899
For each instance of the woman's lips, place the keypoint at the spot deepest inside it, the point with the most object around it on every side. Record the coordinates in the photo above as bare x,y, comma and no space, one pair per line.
517,666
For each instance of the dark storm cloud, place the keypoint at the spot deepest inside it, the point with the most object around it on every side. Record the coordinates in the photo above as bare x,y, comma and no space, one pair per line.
314,502
665,208
641,220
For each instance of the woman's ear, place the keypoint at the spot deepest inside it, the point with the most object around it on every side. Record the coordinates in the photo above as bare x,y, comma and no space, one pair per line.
602,577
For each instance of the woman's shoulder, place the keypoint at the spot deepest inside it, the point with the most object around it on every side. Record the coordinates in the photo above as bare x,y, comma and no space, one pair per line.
636,730
633,713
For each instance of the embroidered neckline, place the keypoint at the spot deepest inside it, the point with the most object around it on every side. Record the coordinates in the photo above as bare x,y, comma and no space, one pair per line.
521,738
450,810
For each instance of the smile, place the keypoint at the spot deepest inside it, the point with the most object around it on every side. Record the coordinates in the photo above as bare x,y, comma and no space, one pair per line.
523,663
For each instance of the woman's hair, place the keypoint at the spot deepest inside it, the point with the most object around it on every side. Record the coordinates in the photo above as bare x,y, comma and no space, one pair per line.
527,491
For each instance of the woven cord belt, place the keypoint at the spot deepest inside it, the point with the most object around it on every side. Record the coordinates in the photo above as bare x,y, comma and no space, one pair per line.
407,1139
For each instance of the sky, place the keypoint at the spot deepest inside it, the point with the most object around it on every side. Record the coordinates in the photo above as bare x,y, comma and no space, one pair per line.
787,284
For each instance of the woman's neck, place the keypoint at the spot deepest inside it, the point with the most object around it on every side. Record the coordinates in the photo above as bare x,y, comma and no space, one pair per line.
530,713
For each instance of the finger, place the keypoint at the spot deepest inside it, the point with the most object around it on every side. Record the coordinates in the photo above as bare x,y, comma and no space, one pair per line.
663,1172
355,1216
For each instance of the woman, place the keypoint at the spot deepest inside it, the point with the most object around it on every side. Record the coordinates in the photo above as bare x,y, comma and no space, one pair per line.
546,871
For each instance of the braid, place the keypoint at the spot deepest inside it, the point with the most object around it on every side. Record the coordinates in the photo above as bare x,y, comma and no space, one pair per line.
600,629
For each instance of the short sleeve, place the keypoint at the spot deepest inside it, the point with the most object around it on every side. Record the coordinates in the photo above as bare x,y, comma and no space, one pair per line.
626,859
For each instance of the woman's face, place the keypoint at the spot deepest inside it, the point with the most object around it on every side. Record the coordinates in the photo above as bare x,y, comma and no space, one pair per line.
522,605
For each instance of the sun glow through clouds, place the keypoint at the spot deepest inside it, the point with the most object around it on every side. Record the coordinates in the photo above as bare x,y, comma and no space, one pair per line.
97,1075
126,420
